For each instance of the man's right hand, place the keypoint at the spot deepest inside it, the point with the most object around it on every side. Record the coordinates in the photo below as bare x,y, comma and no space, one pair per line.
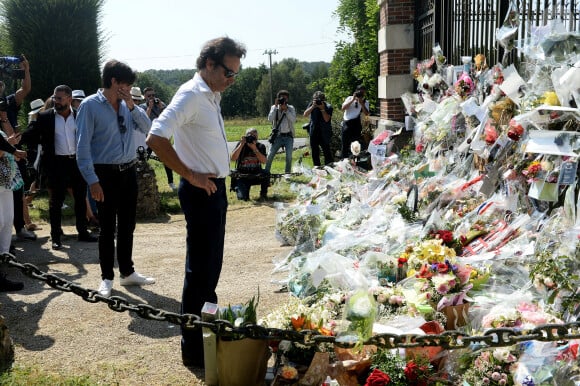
97,192
203,181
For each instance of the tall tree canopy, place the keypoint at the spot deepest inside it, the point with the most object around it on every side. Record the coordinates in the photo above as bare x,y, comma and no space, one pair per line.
355,62
60,38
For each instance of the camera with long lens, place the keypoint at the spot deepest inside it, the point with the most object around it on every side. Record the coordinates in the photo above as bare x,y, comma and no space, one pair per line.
9,67
318,101
281,101
250,139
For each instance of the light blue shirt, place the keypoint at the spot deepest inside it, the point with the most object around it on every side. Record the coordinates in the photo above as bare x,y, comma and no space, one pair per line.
99,137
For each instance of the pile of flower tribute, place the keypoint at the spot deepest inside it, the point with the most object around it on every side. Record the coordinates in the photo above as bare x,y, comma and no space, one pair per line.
474,225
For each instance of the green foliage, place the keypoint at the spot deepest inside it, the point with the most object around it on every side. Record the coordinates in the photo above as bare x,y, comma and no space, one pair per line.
163,90
239,99
60,38
357,62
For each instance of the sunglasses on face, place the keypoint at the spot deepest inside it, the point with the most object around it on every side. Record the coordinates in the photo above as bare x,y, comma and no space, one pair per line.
229,73
121,122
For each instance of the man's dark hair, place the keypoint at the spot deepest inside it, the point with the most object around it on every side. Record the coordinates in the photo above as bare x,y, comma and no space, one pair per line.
217,48
283,93
319,95
63,88
148,89
118,70
360,87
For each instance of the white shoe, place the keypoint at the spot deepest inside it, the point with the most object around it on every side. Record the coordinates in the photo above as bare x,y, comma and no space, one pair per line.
172,186
136,279
106,287
25,234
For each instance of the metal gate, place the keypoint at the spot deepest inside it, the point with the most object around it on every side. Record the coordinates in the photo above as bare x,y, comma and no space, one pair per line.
467,27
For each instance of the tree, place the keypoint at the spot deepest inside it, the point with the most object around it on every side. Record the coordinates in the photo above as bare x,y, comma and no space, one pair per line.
162,90
356,62
288,75
60,38
239,99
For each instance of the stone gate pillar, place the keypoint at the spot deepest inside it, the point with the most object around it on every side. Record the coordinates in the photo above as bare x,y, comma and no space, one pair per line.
396,49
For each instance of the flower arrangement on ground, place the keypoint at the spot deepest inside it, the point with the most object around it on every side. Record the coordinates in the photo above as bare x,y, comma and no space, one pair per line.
490,367
392,369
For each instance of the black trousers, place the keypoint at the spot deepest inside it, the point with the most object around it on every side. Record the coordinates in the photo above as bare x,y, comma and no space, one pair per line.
117,213
351,131
205,217
63,174
319,138
18,196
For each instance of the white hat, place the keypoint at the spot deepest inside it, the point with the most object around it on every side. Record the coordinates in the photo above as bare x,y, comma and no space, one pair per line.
137,94
78,94
35,106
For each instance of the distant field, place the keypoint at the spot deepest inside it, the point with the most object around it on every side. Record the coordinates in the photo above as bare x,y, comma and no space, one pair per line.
235,128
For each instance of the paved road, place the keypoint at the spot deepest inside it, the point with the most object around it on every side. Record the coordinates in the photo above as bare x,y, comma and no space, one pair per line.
298,143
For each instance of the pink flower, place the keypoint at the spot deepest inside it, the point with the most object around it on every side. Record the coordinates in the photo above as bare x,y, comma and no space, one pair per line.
463,273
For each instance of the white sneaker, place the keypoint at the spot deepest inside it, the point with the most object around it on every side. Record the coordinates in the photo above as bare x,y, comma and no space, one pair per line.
106,287
136,279
172,186
25,234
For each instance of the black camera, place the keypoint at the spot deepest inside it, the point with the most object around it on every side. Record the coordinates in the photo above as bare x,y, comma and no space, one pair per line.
156,101
318,102
358,94
281,101
250,139
9,67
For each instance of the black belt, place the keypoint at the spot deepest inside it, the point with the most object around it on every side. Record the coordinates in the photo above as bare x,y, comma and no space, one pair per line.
116,167
70,156
285,134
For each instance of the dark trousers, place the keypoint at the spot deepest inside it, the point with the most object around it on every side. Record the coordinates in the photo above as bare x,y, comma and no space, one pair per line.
320,139
351,131
18,196
205,217
64,173
243,186
117,213
169,173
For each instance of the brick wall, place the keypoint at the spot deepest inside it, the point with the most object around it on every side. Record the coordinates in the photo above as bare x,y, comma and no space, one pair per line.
395,62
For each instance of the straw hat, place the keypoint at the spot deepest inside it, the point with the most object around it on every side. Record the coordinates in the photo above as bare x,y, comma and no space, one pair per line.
137,94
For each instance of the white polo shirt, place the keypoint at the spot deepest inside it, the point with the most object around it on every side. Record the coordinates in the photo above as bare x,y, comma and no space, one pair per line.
195,121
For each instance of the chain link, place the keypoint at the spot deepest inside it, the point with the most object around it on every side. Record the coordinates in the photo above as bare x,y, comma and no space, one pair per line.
495,337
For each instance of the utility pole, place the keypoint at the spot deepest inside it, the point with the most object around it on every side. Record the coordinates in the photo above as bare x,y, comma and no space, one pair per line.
270,53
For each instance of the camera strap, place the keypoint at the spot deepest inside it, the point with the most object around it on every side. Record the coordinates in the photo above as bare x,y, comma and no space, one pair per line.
278,122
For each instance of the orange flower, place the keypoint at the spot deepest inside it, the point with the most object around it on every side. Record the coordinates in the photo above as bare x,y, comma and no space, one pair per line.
298,323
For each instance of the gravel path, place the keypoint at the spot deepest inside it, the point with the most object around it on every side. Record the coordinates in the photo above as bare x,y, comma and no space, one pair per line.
59,332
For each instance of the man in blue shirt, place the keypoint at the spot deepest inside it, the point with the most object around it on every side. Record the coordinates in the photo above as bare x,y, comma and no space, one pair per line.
106,158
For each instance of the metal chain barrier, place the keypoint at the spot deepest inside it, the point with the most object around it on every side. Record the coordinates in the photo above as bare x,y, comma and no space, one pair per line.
495,337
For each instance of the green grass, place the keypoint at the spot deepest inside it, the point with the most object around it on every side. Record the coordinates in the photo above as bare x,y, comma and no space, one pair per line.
28,376
236,128
279,191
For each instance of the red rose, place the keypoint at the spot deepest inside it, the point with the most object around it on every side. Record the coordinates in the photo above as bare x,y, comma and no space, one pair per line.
446,236
442,268
411,371
378,378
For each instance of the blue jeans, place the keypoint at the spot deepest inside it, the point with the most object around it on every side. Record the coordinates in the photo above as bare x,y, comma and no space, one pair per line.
205,218
282,140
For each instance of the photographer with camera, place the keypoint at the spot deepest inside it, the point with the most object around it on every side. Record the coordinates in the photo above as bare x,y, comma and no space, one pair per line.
282,116
154,106
249,155
353,106
320,128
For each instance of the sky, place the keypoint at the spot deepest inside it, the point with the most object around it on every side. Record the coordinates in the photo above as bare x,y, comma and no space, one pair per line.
168,34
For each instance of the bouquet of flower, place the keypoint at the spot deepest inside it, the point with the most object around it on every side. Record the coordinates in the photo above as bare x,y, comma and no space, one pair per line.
392,369
448,239
360,313
490,367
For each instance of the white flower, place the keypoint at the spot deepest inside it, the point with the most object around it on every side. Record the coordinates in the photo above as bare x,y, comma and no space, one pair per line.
355,148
